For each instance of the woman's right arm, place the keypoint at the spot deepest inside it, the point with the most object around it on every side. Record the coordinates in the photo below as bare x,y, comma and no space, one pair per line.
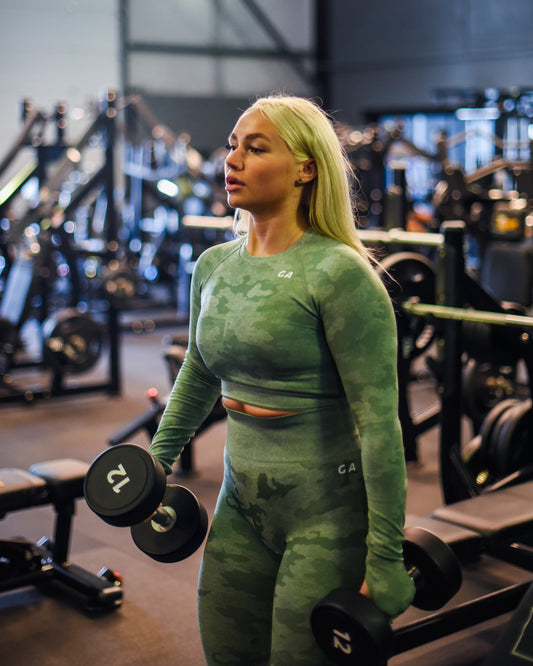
192,398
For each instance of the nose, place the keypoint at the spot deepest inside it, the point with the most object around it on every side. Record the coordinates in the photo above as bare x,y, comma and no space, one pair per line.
233,161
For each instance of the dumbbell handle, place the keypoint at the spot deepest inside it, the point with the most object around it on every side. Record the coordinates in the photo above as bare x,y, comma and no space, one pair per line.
163,518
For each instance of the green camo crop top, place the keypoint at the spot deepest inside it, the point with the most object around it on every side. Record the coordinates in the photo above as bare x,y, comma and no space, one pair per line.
291,331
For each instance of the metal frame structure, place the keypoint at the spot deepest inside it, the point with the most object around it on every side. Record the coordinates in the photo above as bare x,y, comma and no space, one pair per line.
316,79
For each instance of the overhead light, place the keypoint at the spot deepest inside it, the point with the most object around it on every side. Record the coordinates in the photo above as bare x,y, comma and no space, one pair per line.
73,155
483,113
168,187
207,221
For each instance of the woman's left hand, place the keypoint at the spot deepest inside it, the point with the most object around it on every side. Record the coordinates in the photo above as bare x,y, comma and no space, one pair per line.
388,585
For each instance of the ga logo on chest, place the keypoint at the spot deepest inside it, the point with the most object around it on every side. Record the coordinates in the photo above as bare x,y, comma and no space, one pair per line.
346,469
285,274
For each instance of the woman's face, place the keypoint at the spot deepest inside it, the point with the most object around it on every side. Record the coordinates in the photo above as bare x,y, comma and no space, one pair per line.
261,172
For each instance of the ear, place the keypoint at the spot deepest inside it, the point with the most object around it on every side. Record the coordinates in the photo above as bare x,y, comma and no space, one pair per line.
308,170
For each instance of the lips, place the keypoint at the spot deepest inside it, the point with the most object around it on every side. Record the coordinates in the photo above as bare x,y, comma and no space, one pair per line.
233,183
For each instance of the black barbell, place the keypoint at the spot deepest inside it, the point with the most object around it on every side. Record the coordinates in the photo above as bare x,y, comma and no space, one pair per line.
467,314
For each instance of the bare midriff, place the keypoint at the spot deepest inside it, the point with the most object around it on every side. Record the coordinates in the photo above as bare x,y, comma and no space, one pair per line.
253,410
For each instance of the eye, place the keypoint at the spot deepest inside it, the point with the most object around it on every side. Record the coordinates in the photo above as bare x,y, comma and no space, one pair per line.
255,150
228,146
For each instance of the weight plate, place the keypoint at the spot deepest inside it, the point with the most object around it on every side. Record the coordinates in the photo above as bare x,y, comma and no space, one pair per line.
507,340
496,429
71,341
410,276
476,461
437,571
500,345
511,448
485,384
184,537
119,283
350,629
490,423
478,453
477,340
124,485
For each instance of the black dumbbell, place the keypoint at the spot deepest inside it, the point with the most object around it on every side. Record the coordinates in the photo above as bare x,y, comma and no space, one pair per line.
350,629
126,487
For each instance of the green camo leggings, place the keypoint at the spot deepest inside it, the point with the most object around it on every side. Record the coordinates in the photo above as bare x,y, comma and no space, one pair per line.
289,526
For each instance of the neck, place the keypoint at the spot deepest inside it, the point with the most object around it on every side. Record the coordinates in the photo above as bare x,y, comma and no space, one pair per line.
266,238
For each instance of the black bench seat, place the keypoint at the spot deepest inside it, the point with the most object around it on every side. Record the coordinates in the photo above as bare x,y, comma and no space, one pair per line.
503,515
20,489
43,483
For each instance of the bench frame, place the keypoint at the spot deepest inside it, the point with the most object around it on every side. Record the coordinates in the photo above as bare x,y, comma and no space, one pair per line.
59,483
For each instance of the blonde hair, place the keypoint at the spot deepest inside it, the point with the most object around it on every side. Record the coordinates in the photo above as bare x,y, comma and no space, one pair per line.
309,133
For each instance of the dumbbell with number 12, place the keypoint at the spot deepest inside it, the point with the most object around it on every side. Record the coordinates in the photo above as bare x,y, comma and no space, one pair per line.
126,487
352,631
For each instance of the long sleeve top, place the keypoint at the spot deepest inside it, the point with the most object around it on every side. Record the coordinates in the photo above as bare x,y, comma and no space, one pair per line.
309,326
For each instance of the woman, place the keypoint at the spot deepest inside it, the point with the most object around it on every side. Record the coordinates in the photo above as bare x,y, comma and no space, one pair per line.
292,325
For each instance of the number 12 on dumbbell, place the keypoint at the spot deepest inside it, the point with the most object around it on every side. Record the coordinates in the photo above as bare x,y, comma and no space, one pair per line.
127,487
120,471
342,641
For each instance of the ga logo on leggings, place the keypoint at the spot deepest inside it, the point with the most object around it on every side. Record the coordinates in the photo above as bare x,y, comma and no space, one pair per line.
346,468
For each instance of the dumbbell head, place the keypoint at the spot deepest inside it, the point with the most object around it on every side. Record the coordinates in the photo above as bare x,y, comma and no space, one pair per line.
350,629
124,485
434,567
183,537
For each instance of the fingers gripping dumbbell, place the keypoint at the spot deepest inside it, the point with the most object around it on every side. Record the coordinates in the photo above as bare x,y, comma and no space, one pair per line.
350,629
126,487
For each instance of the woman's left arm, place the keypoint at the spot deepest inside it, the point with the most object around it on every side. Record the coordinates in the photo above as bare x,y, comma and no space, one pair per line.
361,332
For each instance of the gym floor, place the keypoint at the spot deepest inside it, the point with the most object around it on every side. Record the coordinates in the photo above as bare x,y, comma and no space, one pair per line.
156,624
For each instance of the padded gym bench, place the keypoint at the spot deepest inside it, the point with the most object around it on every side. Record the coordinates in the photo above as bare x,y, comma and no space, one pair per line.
502,515
59,483
490,523
499,524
